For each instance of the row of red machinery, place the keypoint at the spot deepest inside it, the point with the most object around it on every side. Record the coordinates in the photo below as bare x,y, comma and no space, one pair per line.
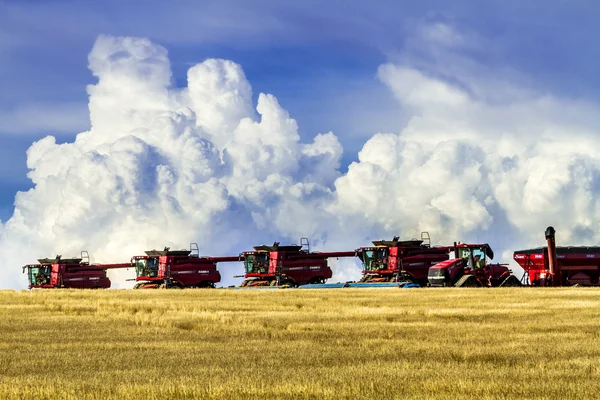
386,263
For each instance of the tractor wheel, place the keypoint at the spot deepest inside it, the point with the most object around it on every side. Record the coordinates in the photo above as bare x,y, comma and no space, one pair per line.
510,281
468,281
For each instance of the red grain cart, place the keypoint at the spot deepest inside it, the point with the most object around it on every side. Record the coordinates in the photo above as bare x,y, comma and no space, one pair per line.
560,266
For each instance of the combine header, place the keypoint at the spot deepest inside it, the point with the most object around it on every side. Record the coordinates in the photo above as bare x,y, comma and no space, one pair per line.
469,268
177,269
389,262
287,266
560,266
74,273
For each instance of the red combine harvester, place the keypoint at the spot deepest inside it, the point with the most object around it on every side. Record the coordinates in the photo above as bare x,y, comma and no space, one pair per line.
287,266
469,268
560,266
71,273
177,269
393,261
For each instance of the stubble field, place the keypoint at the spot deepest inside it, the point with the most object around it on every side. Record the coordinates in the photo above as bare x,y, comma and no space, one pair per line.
348,343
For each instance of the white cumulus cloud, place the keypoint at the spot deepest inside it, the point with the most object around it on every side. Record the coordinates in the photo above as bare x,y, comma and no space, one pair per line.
489,160
163,166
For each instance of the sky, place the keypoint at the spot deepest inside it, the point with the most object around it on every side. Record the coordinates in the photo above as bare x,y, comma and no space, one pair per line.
392,80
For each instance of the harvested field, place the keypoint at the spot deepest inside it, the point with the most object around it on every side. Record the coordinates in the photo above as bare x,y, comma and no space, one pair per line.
349,343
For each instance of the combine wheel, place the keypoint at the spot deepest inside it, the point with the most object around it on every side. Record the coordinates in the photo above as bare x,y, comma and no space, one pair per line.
406,278
273,282
510,281
468,281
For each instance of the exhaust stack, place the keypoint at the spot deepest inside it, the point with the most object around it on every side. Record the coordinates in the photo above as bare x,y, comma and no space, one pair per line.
555,272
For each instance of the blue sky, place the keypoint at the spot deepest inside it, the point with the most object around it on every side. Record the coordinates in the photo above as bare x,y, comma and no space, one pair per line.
319,59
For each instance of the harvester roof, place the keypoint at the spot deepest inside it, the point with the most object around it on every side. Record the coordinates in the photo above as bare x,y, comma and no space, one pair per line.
155,253
398,243
277,247
59,260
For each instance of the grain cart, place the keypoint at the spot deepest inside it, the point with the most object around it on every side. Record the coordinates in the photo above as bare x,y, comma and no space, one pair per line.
287,266
470,267
177,269
389,262
73,273
559,266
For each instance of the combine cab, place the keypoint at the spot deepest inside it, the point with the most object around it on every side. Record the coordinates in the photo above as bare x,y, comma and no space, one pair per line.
287,266
394,261
71,273
469,267
177,269
560,266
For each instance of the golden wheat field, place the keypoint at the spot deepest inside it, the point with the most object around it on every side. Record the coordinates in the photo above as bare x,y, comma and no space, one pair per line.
321,344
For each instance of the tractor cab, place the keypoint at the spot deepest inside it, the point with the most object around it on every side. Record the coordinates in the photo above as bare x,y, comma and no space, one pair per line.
474,256
256,262
38,274
146,266
375,258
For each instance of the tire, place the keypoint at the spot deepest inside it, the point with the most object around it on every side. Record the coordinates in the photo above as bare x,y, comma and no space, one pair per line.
468,281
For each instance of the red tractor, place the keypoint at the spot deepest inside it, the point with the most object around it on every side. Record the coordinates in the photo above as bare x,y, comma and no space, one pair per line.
287,266
72,273
469,268
396,261
177,269
560,266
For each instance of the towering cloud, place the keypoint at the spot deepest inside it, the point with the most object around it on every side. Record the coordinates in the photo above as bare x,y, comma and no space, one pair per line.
481,158
162,166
